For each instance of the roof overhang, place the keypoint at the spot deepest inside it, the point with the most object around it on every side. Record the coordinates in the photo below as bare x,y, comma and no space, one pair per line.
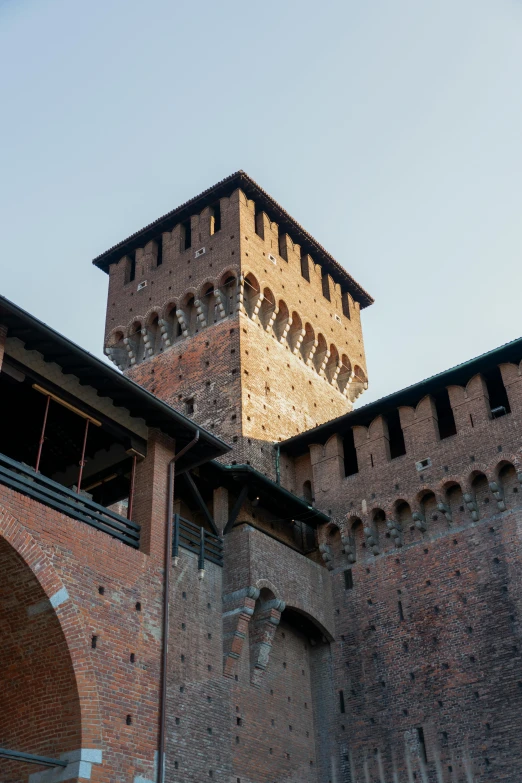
110,383
286,224
272,496
411,395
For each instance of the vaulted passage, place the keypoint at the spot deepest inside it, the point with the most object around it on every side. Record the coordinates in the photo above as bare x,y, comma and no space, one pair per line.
39,704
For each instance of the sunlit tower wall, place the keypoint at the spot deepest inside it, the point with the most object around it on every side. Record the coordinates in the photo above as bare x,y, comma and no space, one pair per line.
229,310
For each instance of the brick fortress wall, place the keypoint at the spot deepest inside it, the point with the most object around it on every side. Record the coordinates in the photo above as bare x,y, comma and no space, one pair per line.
428,639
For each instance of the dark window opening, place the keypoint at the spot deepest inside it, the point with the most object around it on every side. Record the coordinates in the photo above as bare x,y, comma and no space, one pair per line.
498,399
447,426
345,301
396,435
186,235
305,266
258,222
215,218
189,406
401,611
307,492
348,579
159,251
131,268
341,702
50,435
350,454
325,282
422,743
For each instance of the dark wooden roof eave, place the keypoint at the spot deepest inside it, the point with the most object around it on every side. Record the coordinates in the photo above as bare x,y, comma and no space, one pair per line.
254,191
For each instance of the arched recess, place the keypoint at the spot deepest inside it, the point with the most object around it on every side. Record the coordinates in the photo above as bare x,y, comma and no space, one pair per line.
228,292
481,494
344,373
380,531
152,338
294,335
359,383
403,515
191,314
455,503
267,308
435,520
308,343
320,355
508,480
357,542
171,324
251,295
281,321
330,369
209,304
116,350
135,341
307,493
48,691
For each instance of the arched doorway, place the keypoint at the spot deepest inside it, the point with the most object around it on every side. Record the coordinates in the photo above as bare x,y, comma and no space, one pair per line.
39,701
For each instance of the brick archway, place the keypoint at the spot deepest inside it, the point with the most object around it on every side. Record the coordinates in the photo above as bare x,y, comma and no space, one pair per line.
49,659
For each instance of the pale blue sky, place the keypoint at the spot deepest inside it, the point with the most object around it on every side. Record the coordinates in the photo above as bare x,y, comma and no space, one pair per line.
391,129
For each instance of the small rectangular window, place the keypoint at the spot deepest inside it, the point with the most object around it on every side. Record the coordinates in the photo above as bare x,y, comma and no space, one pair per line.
186,235
348,579
189,406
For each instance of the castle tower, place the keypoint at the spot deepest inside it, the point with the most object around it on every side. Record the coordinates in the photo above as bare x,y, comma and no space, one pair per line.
227,309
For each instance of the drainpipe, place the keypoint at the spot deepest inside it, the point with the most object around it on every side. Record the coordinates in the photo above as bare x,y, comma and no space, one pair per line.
166,596
278,463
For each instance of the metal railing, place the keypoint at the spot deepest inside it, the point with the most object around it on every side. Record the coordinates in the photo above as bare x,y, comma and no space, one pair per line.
30,758
27,481
196,539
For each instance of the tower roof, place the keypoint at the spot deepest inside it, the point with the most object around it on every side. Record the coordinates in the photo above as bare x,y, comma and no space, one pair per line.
286,223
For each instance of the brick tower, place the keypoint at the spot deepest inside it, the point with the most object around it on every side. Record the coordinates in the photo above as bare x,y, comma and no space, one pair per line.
229,310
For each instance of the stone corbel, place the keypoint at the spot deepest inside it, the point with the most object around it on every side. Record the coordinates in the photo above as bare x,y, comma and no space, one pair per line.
371,540
286,329
240,306
220,306
180,315
164,331
498,494
420,521
272,319
446,510
130,350
299,341
313,349
149,347
395,529
349,548
200,315
326,554
257,306
471,504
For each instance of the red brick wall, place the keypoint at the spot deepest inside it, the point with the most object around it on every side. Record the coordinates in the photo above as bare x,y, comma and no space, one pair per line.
65,553
451,665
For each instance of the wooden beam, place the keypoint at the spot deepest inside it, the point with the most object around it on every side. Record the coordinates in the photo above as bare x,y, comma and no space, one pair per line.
201,503
236,508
